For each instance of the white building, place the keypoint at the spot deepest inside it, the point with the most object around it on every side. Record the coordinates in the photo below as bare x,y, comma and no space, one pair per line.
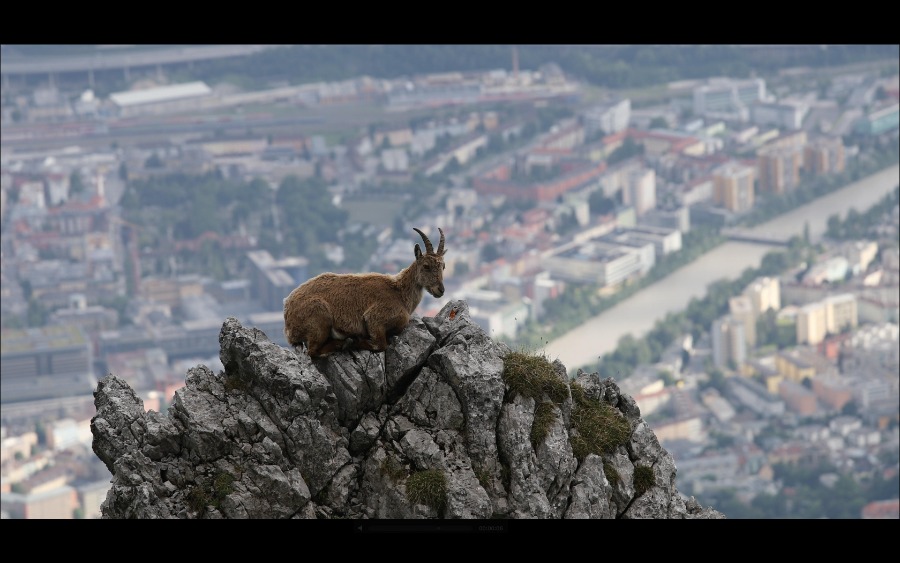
609,118
665,241
723,97
163,99
640,190
784,115
595,262
395,160
498,316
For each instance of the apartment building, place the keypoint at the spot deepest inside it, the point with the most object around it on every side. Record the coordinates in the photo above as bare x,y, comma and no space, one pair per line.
794,367
779,169
812,324
733,187
840,312
764,294
55,504
824,155
833,390
697,190
640,191
741,309
729,341
798,398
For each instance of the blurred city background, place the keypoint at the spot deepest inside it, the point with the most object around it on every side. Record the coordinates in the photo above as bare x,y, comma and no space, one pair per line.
714,227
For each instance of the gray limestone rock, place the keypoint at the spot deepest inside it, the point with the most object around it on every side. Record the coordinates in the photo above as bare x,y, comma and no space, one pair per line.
356,435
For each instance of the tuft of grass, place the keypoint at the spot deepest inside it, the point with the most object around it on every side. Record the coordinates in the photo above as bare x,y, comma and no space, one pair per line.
198,498
644,478
428,487
392,469
532,375
543,419
612,475
210,492
222,486
601,427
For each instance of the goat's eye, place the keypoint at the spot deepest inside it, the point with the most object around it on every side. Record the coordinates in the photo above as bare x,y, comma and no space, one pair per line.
427,267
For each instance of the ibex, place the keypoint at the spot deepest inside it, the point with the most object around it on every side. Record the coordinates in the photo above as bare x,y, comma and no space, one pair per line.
330,309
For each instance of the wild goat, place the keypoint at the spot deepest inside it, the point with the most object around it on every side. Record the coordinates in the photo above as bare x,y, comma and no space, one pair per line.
330,309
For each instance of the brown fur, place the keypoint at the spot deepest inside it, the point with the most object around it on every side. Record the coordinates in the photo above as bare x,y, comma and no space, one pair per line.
330,309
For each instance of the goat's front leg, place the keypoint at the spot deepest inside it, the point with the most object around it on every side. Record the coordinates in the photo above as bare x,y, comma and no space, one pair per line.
380,324
330,346
370,344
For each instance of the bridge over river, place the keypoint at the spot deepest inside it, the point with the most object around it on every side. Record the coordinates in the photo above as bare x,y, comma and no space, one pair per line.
748,235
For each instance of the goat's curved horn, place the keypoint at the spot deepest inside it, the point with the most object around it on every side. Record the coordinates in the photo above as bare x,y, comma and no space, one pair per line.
440,249
428,248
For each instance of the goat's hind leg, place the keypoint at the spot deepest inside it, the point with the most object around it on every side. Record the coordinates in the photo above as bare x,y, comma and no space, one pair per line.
317,324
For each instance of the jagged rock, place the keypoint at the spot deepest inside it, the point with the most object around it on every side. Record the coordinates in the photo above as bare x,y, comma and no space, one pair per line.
429,429
591,492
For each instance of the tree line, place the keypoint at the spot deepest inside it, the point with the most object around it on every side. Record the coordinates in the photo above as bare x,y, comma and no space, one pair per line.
612,66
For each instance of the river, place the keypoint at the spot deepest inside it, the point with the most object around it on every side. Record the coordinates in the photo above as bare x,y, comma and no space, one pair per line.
585,344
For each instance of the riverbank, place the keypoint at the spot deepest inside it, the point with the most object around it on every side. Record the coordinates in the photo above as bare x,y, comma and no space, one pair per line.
585,344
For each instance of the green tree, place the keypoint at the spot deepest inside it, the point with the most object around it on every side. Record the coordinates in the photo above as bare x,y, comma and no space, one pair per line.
308,215
629,148
658,122
154,161
41,430
845,500
489,252
76,185
770,506
37,313
599,204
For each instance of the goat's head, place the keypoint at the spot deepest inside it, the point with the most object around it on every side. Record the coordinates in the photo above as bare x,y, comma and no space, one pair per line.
430,265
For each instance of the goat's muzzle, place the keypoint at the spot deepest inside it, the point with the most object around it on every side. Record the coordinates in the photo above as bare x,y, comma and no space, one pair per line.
437,292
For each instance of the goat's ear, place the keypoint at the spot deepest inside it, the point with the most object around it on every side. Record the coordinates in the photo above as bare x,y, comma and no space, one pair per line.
418,252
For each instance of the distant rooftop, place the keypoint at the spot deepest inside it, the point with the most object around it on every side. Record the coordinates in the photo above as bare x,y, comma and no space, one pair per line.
160,94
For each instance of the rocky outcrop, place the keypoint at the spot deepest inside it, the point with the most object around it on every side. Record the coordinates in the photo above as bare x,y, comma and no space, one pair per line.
432,428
